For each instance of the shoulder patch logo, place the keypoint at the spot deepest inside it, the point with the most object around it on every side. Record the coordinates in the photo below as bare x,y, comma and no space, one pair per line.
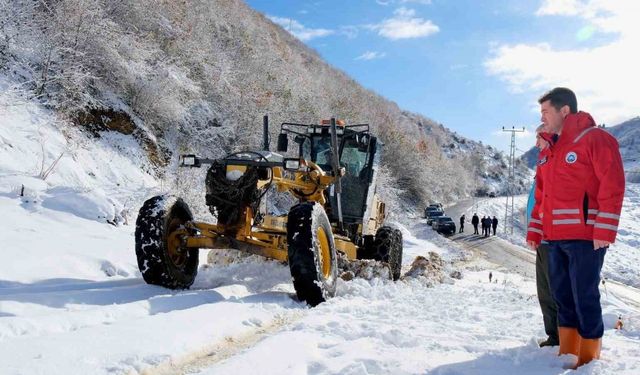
571,157
542,161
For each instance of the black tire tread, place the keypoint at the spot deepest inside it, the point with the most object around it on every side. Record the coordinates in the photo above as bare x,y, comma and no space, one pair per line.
308,280
150,238
387,247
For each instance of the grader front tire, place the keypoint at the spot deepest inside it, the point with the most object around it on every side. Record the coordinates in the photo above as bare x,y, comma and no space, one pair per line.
312,253
161,259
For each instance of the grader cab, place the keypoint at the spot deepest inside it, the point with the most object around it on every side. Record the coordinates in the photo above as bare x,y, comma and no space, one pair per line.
332,178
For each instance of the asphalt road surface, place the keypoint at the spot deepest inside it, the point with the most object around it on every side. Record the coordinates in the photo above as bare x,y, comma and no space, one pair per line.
492,248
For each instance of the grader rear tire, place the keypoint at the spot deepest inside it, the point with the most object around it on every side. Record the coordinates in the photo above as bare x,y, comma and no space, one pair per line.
312,253
387,247
161,259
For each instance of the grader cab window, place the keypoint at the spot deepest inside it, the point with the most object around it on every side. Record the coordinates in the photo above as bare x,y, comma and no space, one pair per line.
353,159
352,156
355,184
321,153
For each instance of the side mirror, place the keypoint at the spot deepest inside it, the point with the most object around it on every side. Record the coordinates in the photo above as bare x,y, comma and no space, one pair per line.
283,142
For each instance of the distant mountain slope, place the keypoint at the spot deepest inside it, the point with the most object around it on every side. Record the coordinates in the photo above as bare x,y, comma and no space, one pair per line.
198,76
628,136
530,157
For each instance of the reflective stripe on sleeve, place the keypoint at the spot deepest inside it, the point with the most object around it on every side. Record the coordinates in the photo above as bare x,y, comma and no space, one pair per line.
606,226
607,215
535,221
536,230
583,134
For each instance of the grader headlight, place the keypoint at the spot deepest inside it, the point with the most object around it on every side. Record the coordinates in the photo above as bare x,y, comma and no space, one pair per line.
292,164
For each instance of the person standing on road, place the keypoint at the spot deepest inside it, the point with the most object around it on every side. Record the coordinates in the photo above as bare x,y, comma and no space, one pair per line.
486,226
461,224
494,224
544,142
578,201
475,221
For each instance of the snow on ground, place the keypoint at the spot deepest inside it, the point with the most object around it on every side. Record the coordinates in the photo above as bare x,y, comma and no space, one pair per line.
73,302
622,262
55,166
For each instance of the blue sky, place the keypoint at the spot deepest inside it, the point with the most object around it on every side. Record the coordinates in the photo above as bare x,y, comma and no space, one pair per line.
476,66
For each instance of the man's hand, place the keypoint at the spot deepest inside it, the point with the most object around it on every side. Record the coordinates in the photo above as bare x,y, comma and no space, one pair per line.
599,244
532,245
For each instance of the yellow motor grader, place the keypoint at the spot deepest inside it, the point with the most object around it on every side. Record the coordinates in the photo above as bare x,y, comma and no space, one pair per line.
338,211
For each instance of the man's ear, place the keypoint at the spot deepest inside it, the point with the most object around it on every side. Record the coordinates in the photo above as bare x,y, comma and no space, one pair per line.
565,110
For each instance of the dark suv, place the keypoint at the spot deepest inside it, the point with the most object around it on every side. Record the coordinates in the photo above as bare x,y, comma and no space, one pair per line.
444,225
431,213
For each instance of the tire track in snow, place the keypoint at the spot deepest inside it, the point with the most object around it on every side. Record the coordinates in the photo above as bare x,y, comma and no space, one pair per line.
625,293
208,356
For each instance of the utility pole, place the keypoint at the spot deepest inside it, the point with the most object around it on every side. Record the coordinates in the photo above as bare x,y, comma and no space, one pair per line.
509,209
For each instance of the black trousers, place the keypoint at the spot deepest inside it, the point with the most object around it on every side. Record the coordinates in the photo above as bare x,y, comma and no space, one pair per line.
475,228
461,227
494,230
545,297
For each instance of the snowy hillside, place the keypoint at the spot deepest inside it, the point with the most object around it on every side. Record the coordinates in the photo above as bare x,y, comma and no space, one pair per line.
627,135
57,167
198,76
530,157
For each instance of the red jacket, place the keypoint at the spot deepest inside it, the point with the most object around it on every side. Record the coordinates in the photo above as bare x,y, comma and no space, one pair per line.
535,221
580,186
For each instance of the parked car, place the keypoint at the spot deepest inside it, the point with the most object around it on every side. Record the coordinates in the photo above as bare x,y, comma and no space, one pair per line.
431,214
492,195
444,225
431,209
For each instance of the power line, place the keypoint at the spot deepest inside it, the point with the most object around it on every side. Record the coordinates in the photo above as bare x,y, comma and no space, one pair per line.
511,177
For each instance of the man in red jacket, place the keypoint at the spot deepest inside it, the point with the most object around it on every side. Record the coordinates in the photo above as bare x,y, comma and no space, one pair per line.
580,199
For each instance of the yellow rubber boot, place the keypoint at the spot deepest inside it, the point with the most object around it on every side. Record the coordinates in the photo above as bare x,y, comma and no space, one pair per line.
569,340
589,350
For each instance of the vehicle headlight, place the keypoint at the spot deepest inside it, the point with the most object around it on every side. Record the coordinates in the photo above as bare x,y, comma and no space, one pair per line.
189,160
292,164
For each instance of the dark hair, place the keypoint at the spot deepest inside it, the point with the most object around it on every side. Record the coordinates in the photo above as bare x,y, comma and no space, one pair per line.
559,97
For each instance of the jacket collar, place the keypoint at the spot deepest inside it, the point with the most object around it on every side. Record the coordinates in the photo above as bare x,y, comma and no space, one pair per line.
574,124
549,137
